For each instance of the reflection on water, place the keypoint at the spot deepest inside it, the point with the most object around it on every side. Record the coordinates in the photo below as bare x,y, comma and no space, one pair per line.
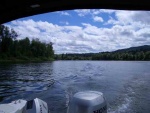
124,84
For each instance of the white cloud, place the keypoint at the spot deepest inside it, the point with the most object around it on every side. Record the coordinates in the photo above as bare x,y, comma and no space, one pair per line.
107,11
129,28
64,13
100,11
83,12
98,19
64,22
130,17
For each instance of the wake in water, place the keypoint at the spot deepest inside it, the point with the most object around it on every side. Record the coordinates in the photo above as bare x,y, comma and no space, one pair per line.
135,96
122,108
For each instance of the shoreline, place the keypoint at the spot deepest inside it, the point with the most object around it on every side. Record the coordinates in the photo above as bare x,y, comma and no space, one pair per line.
38,60
30,60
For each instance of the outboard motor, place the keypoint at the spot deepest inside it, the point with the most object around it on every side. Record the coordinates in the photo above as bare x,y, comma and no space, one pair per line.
88,102
36,106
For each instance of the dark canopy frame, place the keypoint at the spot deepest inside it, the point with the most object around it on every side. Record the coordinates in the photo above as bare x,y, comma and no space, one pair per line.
14,9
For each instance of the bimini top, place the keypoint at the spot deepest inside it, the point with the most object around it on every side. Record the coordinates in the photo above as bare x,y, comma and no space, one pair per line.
14,9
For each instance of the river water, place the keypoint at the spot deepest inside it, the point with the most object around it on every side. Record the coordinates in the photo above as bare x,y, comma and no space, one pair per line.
125,84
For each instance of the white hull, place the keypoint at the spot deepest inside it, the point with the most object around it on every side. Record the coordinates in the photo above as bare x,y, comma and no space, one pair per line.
23,106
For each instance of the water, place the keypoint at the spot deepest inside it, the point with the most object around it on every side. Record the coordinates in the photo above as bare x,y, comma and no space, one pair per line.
125,84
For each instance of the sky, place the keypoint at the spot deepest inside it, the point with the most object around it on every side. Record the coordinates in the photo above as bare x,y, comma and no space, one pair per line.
86,30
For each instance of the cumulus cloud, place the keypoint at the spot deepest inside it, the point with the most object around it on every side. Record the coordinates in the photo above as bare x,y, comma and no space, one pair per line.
109,11
83,12
63,13
98,19
128,28
64,22
130,17
100,11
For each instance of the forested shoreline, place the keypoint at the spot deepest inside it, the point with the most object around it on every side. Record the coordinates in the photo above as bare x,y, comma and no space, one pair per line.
12,49
141,53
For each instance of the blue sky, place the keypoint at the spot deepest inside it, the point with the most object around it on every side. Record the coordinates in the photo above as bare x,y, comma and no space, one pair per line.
86,30
71,17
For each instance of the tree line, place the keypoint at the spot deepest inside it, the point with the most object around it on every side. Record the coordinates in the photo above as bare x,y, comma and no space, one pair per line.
11,48
122,56
134,54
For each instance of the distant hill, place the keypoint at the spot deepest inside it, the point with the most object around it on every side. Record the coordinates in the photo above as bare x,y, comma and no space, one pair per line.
132,53
143,48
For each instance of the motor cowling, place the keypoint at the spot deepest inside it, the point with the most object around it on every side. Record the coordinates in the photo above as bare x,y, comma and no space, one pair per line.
88,102
36,106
